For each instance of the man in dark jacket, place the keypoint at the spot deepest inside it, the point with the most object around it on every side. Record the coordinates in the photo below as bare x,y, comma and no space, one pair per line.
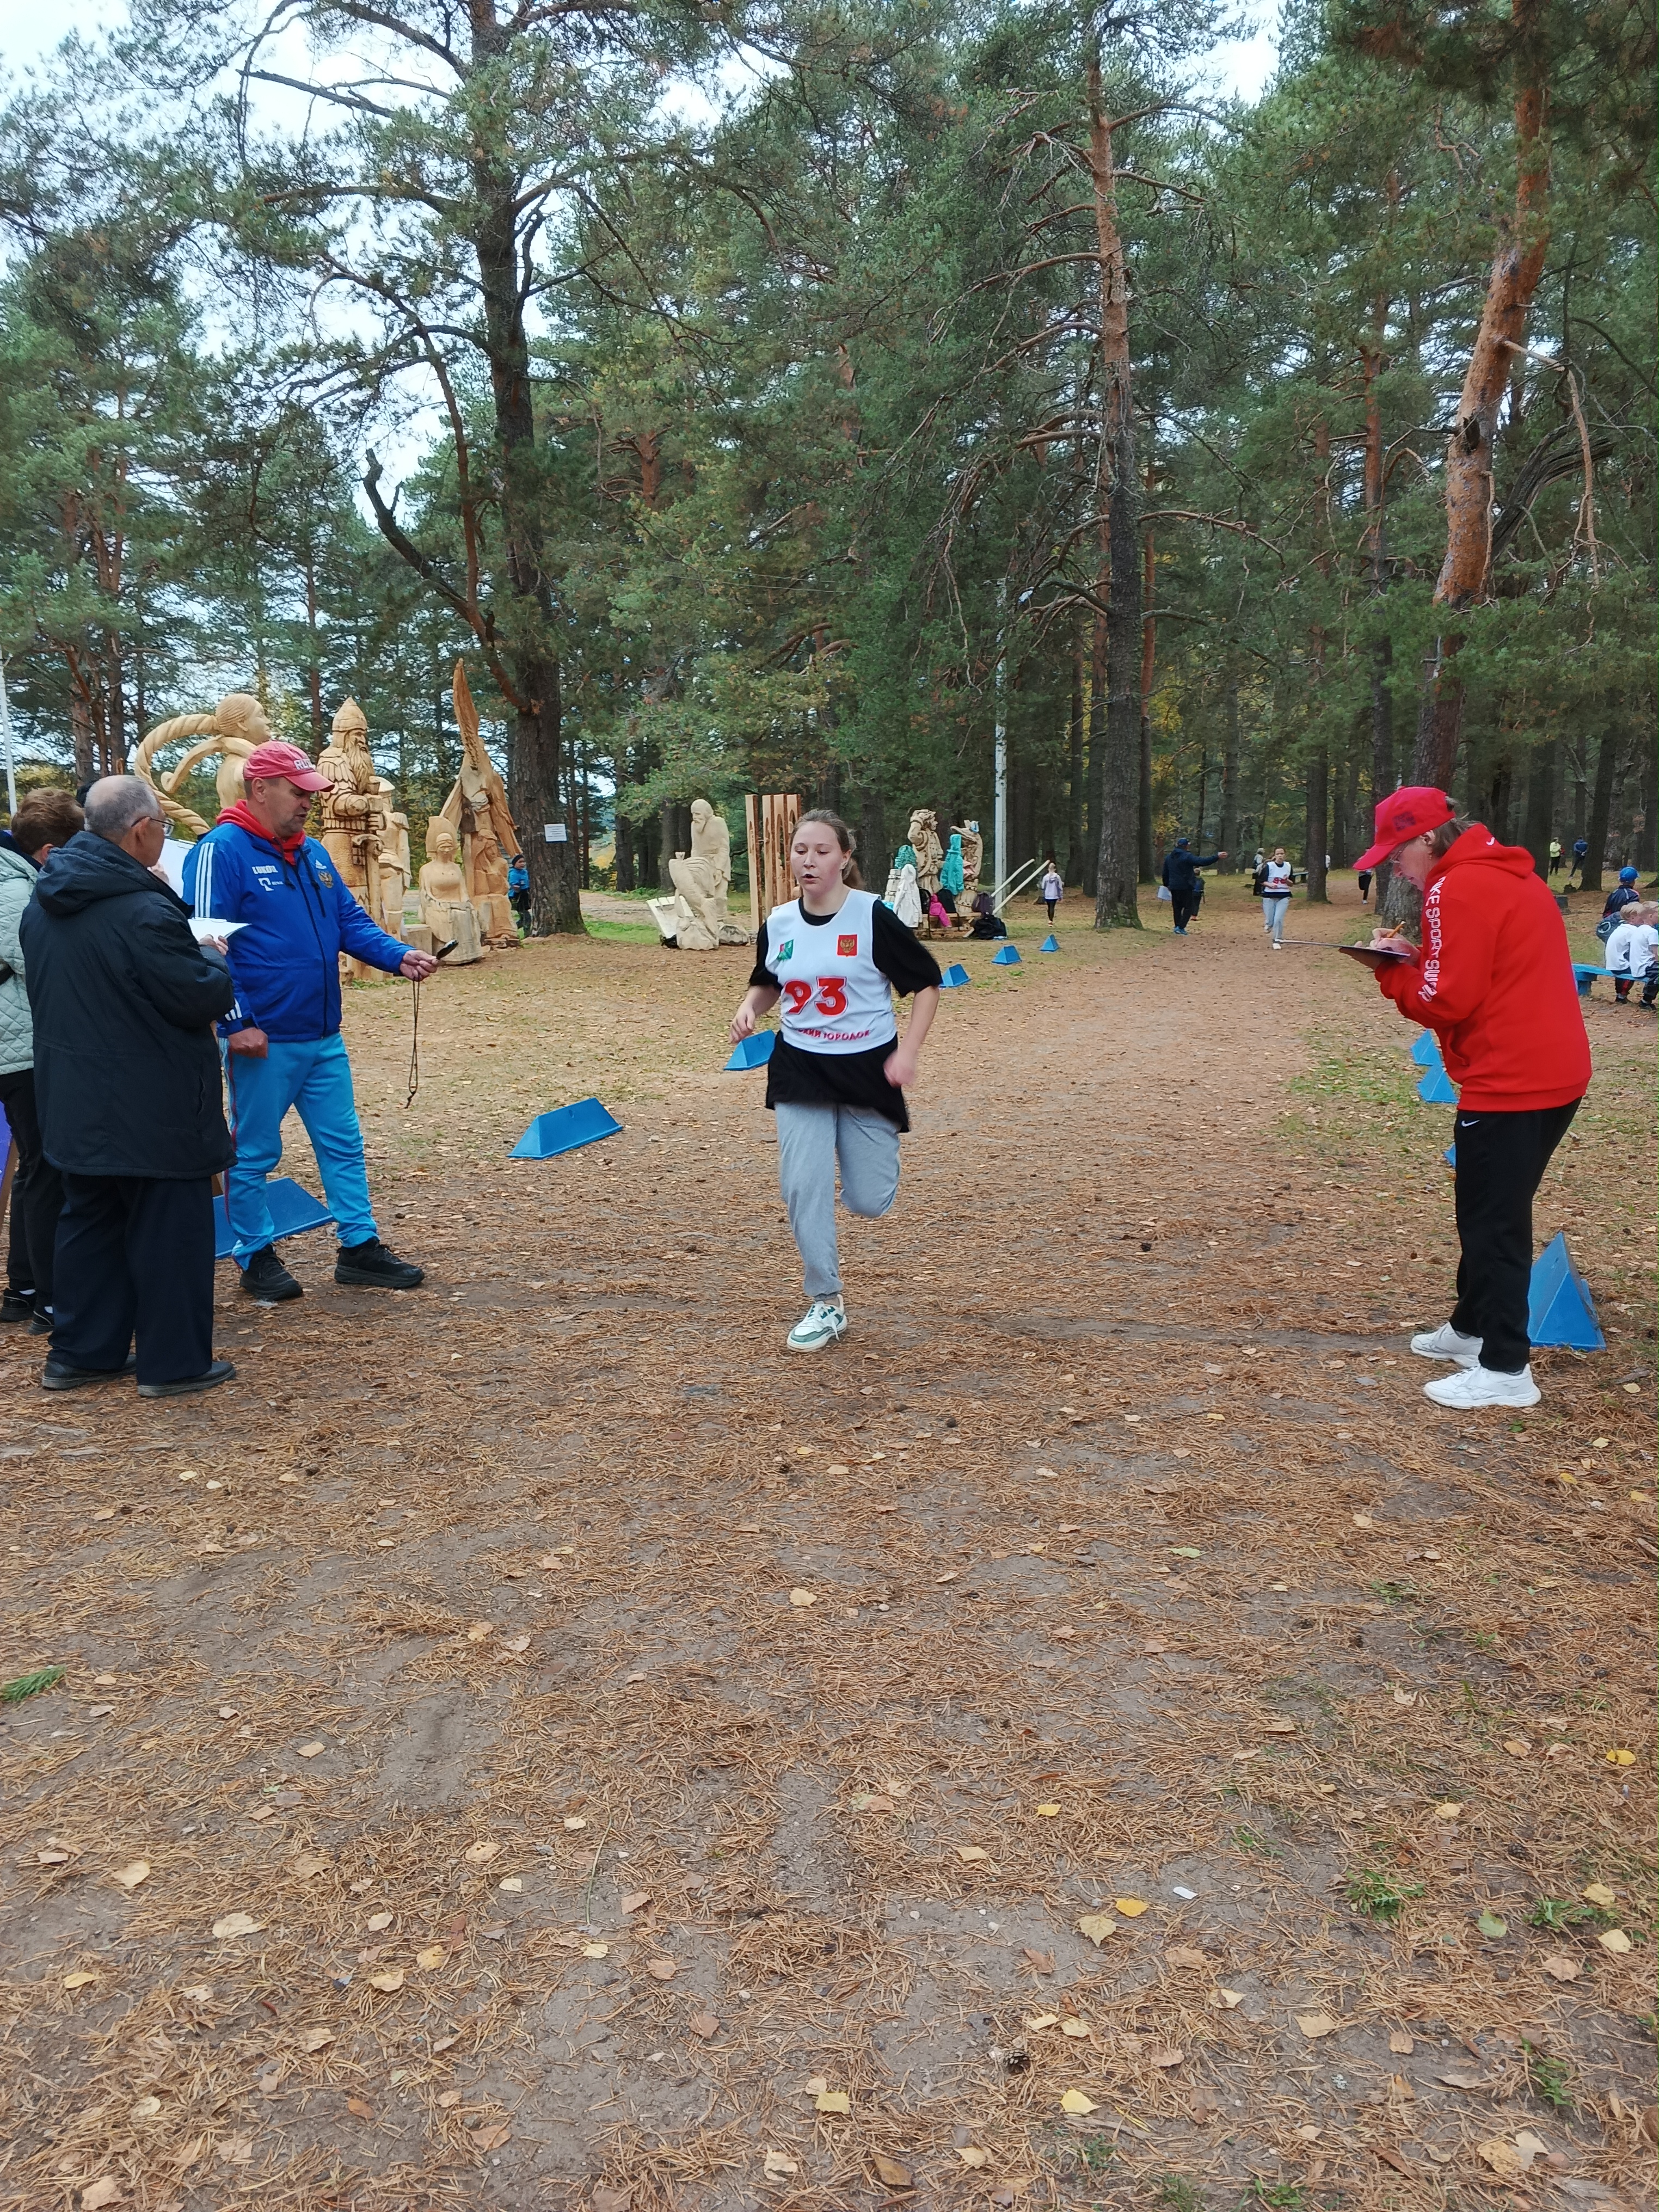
127,1077
1181,881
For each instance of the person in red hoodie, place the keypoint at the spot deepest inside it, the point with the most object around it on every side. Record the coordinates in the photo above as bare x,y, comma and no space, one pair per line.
1493,980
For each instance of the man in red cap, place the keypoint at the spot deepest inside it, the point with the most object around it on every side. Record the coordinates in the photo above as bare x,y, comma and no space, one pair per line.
283,1047
1493,980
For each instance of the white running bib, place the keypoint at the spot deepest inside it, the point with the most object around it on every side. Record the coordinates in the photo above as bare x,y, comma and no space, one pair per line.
835,997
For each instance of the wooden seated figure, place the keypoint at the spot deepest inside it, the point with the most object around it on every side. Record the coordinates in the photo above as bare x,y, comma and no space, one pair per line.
445,907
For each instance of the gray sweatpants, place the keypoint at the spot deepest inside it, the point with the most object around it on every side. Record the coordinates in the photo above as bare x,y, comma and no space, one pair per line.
811,1139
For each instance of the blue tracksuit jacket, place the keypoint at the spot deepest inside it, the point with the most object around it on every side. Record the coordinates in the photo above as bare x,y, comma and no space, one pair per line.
300,918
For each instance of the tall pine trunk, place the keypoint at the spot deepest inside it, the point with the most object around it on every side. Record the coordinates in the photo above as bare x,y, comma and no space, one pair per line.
1607,762
1115,890
1148,669
1229,833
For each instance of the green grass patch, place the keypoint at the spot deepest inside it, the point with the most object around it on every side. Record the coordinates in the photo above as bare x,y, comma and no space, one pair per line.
1380,1896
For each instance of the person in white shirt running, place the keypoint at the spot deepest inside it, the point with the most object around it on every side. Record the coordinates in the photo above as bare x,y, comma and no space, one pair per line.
1275,895
836,1079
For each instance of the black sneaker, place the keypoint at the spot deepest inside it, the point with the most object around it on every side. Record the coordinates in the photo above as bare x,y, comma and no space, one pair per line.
221,1371
17,1305
58,1375
264,1276
370,1265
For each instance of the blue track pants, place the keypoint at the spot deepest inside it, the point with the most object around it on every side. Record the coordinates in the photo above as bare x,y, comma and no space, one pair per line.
316,1078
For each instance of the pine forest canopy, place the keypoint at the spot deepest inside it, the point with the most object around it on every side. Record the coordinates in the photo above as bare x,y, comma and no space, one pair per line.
775,397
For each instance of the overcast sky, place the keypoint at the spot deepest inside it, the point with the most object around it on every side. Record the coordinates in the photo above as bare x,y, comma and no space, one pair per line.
30,29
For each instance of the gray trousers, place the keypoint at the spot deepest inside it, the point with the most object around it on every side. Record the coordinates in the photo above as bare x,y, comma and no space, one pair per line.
811,1139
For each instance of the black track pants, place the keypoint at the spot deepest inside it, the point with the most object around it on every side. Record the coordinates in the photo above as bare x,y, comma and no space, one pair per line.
1501,1159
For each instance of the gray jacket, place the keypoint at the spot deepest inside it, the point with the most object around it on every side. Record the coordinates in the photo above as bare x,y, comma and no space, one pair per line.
18,877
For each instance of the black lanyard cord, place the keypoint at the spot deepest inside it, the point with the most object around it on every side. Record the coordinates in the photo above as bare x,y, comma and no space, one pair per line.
415,1049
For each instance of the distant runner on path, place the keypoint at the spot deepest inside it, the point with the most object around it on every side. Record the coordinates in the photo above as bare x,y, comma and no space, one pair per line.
1183,881
1493,980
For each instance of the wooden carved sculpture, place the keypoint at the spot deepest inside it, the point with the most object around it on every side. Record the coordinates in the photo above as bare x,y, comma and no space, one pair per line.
476,810
236,726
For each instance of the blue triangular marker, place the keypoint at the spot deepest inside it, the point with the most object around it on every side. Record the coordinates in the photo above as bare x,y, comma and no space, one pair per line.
1425,1050
1005,956
1049,945
292,1210
564,1129
1559,1308
754,1052
1449,1155
954,977
1437,1088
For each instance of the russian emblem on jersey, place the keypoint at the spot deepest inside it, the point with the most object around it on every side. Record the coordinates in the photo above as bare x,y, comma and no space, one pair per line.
786,950
324,876
847,948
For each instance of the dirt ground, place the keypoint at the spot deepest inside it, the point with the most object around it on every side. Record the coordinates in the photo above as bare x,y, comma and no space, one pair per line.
1097,1736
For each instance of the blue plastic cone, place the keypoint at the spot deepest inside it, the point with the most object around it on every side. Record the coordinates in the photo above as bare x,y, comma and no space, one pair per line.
292,1210
1437,1088
1559,1308
565,1129
955,977
754,1052
1049,943
1425,1050
1005,956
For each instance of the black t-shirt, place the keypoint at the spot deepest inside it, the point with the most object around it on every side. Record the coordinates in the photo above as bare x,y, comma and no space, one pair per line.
795,1077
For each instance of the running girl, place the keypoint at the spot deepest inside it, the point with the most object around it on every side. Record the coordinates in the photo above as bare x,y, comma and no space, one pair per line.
837,1074
1275,895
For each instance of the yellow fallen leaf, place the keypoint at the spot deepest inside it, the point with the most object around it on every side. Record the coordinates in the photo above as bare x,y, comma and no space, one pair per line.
596,1950
1402,2043
1229,1997
97,2193
818,2085
1184,1954
145,2109
130,1876
1035,2023
1316,2024
832,2100
480,1854
1279,1727
1517,1746
1362,1521
891,2172
306,1864
1130,1907
974,2158
803,1597
480,1631
237,1923
1621,1758
196,1993
1046,1812
52,1858
1449,1811
312,1750
777,2167
518,1645
636,1900
1074,2028
1075,2101
513,1884
1404,1697
377,1921
1597,1893
662,1970
703,2023
316,2039
1501,2156
1560,1968
1096,1926
391,1979
968,1853
1614,1940
492,2138
574,1820
434,1955
1166,2054
79,1981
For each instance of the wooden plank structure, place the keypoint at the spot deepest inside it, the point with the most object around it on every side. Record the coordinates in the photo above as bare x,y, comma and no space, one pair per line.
772,817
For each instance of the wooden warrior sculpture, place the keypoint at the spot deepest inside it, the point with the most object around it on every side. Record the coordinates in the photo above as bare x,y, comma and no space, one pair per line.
477,811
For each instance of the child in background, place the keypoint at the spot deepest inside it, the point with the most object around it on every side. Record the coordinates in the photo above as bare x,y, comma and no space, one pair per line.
1275,880
1053,887
1633,950
836,1081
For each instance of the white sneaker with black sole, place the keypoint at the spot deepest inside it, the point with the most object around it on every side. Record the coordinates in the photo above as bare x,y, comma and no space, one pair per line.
1445,1343
1475,1385
824,1322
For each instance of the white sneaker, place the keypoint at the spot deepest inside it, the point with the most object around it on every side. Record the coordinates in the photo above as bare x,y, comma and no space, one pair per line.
1476,1385
1445,1343
824,1322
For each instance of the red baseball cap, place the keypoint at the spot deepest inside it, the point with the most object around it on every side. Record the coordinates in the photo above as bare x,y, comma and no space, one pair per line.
1404,813
287,762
